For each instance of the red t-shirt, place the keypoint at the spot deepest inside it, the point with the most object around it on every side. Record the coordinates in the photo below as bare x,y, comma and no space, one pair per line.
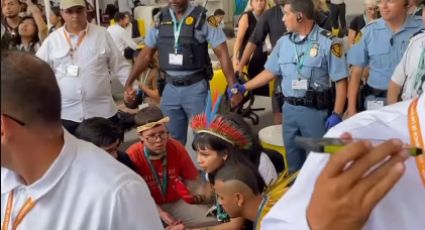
179,165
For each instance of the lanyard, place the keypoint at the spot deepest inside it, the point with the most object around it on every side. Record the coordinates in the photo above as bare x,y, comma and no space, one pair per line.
416,136
26,208
164,184
80,40
177,27
300,57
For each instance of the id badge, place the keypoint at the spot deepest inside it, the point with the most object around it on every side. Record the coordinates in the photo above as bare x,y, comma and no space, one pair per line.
72,71
374,104
175,59
299,84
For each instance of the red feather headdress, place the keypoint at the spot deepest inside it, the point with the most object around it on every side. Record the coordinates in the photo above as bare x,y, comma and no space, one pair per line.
215,124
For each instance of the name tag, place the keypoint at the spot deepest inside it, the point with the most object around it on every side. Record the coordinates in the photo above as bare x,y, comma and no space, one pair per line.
175,59
374,104
72,71
299,84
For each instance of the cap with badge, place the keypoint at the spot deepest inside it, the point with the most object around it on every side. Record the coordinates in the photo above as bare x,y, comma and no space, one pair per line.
66,4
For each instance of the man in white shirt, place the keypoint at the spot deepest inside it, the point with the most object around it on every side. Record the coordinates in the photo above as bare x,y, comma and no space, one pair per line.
401,208
50,179
83,57
119,33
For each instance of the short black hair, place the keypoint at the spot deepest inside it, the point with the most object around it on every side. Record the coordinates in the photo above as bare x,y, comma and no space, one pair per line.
119,16
99,131
148,115
306,7
219,12
243,173
155,11
29,90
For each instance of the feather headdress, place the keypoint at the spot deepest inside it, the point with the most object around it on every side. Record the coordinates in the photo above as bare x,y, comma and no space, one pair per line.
215,124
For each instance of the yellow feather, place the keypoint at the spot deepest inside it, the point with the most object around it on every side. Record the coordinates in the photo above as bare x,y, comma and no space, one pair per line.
274,191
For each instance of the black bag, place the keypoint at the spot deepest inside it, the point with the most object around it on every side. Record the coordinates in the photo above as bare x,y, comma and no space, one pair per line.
128,53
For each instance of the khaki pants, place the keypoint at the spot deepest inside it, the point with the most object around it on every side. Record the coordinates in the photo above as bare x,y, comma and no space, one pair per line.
192,216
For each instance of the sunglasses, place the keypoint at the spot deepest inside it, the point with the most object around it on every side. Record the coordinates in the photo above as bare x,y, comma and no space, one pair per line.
14,119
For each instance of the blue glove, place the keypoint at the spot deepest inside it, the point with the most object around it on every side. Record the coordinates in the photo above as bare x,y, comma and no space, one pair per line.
333,120
239,89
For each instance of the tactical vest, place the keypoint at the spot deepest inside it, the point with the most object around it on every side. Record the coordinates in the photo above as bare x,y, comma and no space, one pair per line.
195,54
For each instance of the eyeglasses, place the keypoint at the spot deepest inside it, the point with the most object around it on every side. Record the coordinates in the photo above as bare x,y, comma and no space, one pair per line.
14,119
372,8
153,138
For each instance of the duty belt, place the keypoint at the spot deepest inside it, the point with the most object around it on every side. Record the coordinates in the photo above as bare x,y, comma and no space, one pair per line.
297,101
186,80
375,92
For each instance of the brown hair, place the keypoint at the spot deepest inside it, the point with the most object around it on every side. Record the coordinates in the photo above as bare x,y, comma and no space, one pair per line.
29,91
147,115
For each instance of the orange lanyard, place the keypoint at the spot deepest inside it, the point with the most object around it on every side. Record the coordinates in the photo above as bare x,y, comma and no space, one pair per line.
26,208
416,136
80,40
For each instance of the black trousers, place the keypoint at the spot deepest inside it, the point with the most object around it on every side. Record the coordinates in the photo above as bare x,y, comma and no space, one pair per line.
71,126
338,12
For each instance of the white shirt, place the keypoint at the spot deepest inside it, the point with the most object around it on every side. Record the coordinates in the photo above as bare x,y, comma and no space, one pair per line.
84,188
402,208
125,6
121,38
89,94
405,74
266,169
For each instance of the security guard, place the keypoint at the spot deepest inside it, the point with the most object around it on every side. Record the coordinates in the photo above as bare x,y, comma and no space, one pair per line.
181,36
379,46
308,58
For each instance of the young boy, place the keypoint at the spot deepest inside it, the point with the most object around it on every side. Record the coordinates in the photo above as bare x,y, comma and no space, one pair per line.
158,151
241,195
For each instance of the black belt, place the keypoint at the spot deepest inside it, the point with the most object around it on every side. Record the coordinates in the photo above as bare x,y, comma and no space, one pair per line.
297,101
186,80
375,92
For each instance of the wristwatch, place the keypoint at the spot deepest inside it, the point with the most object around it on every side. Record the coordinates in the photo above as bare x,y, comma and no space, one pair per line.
234,91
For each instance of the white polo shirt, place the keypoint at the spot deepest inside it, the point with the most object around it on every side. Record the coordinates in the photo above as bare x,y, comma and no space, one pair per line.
121,38
98,59
84,188
404,205
406,74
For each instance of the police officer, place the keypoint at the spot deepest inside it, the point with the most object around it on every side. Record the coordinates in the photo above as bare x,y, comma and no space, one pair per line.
308,58
181,36
379,46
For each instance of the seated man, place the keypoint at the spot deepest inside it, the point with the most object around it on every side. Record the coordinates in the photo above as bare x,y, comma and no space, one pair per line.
241,195
157,151
106,135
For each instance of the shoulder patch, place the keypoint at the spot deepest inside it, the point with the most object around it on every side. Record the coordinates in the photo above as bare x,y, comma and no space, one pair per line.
337,50
212,21
358,37
327,34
